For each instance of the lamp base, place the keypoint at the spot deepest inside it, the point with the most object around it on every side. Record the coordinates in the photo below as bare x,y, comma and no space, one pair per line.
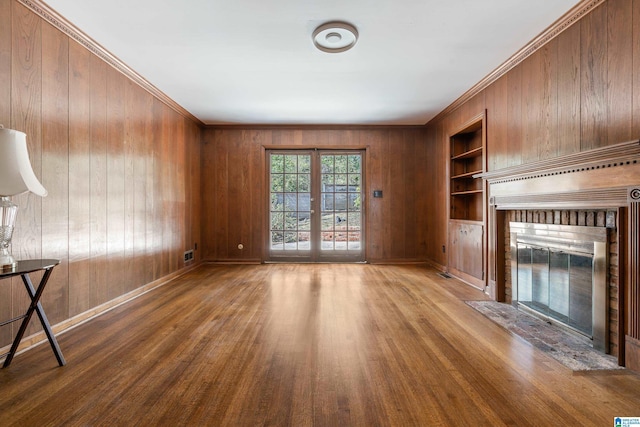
8,212
7,262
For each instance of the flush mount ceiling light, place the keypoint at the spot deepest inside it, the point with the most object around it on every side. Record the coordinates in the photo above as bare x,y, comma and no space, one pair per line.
334,37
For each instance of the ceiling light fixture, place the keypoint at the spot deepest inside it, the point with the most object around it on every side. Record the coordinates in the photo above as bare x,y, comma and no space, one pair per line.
334,37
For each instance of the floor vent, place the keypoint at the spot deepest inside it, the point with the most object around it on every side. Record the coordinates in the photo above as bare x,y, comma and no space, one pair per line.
444,275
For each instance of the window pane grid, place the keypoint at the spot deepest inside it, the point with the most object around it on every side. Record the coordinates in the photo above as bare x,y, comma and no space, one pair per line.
290,202
340,198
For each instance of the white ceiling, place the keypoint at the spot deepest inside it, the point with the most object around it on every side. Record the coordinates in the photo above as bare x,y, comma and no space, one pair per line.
254,62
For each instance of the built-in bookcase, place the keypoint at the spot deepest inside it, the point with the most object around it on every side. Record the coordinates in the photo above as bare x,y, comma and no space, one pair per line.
467,208
467,193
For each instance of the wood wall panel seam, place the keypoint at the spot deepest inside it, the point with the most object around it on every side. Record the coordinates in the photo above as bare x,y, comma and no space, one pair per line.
52,17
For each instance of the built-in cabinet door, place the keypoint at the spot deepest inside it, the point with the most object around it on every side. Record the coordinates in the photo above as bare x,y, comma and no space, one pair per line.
466,252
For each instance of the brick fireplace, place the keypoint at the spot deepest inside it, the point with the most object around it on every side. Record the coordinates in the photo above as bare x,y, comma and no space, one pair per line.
597,188
594,220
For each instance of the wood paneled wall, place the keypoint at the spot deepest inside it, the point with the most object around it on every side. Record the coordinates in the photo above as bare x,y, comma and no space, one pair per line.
580,91
122,170
234,190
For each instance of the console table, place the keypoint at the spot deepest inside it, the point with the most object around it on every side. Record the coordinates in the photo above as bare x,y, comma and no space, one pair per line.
23,268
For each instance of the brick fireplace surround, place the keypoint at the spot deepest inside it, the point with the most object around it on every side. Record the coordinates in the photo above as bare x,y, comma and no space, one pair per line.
599,188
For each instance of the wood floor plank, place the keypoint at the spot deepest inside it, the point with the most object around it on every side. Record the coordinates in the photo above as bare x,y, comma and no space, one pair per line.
302,345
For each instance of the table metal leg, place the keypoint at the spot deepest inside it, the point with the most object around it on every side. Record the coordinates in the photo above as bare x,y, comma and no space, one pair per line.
37,307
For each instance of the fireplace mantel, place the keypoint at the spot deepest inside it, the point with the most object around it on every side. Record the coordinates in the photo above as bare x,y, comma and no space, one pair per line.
623,154
601,178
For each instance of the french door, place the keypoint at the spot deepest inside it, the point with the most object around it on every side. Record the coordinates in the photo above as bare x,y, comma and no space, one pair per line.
315,206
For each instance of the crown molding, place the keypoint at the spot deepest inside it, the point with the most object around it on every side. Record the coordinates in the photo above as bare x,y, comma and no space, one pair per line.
567,20
311,127
58,21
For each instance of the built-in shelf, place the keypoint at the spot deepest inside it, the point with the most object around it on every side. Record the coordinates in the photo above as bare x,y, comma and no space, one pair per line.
467,174
466,255
467,160
474,152
467,193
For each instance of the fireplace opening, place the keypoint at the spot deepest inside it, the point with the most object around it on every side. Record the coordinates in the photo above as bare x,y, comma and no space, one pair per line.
560,273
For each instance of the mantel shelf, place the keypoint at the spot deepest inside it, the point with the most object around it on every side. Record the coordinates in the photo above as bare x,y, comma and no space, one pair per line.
622,154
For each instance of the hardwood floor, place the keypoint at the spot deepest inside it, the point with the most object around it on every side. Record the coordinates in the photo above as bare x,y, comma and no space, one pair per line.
304,344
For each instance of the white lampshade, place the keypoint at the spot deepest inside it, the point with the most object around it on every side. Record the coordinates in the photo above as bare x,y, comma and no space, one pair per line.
16,174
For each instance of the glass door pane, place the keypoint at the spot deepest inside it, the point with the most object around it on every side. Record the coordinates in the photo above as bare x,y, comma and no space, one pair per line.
559,285
525,294
341,206
581,293
540,279
290,204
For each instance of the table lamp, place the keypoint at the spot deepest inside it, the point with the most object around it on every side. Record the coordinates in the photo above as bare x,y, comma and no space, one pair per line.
16,177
